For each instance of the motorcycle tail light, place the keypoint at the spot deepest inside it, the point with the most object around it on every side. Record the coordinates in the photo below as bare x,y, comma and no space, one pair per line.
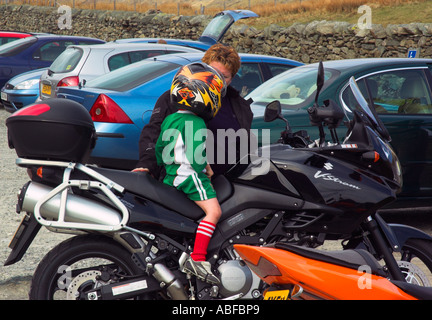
106,110
264,268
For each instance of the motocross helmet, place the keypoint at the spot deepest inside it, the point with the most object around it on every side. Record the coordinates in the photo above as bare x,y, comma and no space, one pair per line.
199,88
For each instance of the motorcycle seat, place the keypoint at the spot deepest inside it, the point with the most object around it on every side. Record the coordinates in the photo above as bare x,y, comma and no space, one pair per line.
143,184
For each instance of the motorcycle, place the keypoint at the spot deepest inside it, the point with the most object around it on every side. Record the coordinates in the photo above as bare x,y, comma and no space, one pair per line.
298,273
132,233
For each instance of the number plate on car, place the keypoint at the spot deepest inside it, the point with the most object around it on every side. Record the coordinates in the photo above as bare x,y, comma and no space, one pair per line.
46,89
4,96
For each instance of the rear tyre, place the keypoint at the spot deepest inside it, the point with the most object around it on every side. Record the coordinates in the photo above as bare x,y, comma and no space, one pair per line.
74,266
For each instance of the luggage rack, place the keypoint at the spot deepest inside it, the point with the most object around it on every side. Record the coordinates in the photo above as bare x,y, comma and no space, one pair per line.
101,183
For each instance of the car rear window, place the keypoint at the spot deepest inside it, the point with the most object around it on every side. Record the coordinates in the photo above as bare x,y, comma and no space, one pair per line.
15,47
216,26
67,60
131,76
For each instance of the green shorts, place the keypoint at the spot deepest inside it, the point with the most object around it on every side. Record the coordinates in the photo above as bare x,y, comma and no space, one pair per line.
197,187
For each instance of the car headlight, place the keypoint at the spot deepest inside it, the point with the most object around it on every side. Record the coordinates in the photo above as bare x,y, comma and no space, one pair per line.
26,84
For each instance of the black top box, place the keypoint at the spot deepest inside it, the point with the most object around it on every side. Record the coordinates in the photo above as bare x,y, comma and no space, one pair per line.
53,129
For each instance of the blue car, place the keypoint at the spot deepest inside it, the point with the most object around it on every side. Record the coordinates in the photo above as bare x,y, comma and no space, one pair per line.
121,102
213,33
21,90
34,52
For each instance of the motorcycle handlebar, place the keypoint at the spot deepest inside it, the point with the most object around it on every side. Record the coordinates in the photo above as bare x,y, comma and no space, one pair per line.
328,112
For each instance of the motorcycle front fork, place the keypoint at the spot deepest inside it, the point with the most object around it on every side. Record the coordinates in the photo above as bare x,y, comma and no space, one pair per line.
382,248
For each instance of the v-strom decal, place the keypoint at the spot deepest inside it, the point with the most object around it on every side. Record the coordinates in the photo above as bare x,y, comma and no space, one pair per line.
329,177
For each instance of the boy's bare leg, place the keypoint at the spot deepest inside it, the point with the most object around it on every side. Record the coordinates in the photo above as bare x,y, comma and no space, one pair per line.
197,264
211,208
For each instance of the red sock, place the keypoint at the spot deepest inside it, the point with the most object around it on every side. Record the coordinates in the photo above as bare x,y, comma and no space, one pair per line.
202,238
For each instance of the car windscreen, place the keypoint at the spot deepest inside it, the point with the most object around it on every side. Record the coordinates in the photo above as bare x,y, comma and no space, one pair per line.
131,76
17,46
67,60
292,88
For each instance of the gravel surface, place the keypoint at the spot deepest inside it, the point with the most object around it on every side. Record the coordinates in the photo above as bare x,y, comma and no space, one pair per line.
15,279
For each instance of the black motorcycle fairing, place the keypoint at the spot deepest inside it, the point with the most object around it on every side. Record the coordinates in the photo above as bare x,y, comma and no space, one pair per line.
319,177
151,216
247,196
260,171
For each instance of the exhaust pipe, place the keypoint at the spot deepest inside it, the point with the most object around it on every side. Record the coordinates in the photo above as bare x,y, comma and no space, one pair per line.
78,209
173,285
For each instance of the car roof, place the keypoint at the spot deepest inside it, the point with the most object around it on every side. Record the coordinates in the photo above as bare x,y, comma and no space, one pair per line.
181,42
59,36
5,32
353,65
116,45
177,57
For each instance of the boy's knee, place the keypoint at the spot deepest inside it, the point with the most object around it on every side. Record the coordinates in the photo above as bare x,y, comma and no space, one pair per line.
214,214
218,213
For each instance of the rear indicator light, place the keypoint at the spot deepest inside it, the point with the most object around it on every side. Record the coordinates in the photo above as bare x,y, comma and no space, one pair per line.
39,172
68,82
106,110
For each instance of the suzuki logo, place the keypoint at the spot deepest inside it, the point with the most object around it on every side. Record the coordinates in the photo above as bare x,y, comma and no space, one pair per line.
328,166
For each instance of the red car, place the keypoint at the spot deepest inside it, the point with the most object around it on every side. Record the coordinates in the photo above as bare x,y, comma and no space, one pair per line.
8,36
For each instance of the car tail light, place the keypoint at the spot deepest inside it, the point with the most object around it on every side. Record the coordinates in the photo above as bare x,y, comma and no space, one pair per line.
106,110
68,82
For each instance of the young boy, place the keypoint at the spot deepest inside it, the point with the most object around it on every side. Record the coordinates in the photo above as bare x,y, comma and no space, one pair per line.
196,91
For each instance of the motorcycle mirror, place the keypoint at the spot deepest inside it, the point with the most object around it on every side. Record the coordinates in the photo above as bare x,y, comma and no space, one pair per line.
273,111
320,80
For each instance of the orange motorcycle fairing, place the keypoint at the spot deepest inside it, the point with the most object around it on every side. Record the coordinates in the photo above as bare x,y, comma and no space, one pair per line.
318,279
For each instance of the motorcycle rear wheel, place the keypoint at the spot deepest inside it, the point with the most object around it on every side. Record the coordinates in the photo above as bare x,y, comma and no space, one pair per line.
74,265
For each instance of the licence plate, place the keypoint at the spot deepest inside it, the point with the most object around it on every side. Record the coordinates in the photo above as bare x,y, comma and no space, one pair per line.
19,231
46,89
277,295
4,96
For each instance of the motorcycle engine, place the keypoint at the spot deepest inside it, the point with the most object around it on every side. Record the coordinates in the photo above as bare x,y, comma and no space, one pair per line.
237,278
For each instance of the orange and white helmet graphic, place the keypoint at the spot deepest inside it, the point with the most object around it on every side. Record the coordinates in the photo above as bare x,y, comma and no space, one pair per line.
199,88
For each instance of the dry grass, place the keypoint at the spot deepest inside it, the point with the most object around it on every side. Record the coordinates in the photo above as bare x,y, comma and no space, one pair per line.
383,11
328,6
262,7
282,12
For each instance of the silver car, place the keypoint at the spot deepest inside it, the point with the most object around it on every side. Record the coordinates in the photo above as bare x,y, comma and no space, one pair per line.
79,63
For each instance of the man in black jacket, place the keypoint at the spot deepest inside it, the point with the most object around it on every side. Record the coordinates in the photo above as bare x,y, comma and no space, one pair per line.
235,114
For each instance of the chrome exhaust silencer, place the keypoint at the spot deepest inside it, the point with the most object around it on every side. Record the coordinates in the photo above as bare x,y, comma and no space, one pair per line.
173,285
78,212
